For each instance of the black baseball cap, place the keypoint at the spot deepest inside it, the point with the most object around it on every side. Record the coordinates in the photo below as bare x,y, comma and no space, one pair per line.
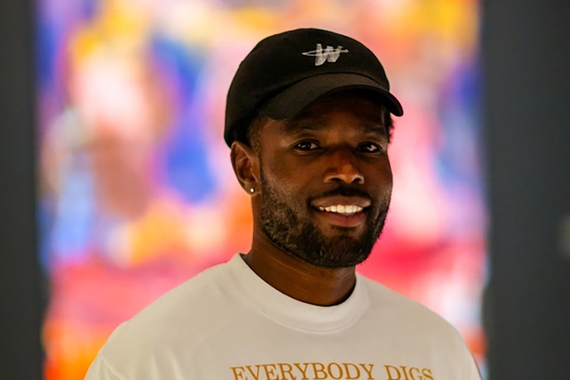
286,72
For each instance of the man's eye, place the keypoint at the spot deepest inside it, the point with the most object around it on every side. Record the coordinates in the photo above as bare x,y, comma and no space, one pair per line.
369,147
306,145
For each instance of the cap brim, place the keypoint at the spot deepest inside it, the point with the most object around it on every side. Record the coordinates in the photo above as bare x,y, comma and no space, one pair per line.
290,102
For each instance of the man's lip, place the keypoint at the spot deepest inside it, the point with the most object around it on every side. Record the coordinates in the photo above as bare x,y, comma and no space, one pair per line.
341,219
341,200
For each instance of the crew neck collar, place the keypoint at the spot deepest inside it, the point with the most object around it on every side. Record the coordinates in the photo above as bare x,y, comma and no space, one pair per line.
291,312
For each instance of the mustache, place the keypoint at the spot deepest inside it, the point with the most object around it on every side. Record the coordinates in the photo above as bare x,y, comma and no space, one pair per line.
343,190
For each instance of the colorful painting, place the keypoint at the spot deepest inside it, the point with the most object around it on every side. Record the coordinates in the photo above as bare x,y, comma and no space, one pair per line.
137,190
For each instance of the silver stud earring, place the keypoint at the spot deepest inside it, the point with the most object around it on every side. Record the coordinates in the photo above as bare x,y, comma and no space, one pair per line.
251,190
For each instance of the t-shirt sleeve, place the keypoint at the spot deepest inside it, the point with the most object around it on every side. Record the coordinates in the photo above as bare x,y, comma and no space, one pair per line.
473,372
100,370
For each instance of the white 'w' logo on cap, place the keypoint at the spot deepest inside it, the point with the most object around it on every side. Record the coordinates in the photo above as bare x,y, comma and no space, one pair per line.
329,54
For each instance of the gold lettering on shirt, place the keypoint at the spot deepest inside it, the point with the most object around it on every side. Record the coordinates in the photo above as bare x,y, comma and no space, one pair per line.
304,371
269,370
286,371
407,373
351,371
335,371
319,371
427,373
328,371
368,370
255,375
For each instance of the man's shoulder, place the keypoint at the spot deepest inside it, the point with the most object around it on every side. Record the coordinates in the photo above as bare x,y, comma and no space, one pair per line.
179,314
405,311
400,319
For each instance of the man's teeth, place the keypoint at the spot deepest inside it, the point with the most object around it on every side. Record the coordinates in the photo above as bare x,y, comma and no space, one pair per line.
342,209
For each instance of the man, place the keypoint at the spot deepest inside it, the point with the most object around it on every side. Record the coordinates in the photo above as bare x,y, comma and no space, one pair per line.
308,120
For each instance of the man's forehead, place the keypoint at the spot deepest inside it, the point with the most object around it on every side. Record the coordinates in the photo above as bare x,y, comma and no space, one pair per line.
323,123
320,114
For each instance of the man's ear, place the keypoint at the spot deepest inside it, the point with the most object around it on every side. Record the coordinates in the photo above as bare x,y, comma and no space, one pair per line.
245,162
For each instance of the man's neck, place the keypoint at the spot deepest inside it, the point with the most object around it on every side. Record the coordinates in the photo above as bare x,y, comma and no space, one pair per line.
297,278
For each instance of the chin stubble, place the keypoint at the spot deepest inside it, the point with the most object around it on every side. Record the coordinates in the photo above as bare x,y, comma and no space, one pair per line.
290,227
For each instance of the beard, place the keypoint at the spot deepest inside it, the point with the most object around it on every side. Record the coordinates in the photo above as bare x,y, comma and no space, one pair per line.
287,222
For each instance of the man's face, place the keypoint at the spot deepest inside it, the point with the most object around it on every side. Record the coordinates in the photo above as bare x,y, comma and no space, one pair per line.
326,181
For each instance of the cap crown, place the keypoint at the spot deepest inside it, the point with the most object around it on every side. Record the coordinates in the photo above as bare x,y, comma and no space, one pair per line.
283,59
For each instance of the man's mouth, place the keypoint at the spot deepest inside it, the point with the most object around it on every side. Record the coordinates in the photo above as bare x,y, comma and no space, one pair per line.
342,209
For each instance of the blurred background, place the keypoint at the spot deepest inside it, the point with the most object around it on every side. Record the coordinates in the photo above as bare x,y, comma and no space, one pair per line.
118,185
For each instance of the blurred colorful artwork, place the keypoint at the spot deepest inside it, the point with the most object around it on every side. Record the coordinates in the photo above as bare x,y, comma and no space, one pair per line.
137,190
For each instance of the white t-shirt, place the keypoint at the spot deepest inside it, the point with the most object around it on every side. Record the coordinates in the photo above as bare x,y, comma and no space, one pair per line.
227,323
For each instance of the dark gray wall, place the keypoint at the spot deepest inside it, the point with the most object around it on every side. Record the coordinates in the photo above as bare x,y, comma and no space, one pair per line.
20,301
526,65
526,62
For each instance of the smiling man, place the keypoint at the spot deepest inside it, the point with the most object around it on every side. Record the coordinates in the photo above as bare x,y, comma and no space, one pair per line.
308,121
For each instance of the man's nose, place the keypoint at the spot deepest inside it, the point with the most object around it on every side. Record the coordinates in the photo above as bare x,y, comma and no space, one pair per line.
342,167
